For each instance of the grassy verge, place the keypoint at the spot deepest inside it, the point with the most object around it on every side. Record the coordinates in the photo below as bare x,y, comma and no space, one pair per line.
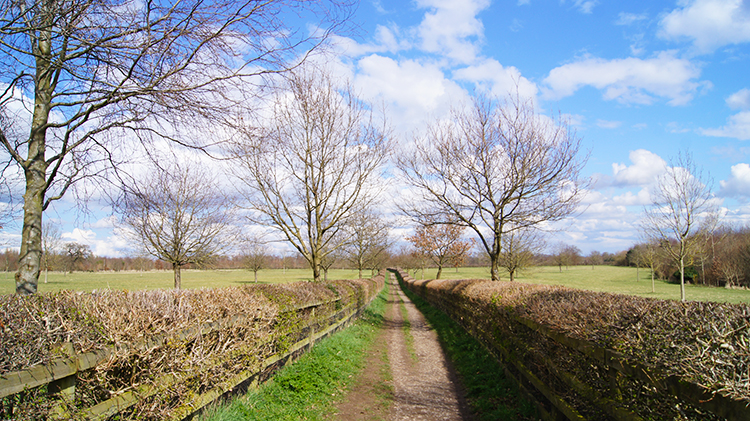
491,395
308,388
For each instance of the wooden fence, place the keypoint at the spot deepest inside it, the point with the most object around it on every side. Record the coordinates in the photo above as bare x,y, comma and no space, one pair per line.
60,376
574,379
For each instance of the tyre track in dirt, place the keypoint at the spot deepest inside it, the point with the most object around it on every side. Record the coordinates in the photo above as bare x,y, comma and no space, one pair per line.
425,389
423,382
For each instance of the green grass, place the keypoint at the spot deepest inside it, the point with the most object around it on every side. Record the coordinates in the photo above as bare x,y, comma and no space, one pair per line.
621,280
309,388
88,281
615,279
491,395
406,327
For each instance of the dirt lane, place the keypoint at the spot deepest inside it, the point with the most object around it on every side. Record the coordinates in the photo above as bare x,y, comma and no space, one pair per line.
423,385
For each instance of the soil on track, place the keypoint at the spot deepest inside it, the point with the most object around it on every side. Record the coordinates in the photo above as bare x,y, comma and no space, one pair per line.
422,384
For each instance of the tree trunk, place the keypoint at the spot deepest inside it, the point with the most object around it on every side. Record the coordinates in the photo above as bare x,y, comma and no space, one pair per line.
682,279
439,272
177,276
35,172
653,286
495,267
637,273
512,275
255,273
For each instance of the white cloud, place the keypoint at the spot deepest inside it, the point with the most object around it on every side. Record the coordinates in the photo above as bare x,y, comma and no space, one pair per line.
646,167
739,99
585,6
80,236
738,183
710,24
605,124
499,80
625,19
413,91
451,28
629,80
629,199
738,127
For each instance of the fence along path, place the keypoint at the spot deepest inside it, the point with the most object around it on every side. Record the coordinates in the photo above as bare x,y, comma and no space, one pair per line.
60,375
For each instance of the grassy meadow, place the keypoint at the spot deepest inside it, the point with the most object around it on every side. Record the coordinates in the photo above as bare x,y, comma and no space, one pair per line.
191,278
621,280
614,279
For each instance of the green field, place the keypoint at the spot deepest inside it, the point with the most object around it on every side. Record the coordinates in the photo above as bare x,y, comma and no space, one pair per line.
87,281
614,279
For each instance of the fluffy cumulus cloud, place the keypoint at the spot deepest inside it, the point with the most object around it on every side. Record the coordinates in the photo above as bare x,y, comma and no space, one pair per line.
495,78
629,80
451,28
709,24
644,170
739,99
412,90
738,184
737,127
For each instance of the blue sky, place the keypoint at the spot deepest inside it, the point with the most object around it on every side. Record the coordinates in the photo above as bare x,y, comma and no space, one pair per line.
639,80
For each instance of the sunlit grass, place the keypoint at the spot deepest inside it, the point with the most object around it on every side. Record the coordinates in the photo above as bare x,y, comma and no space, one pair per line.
132,280
615,279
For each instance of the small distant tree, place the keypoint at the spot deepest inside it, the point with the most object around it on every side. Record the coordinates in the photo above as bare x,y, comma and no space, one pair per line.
566,255
519,248
441,243
75,254
255,257
50,243
681,212
178,214
595,258
367,241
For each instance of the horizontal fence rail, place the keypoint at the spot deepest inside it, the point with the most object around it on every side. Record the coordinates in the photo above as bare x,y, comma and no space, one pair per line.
61,375
578,379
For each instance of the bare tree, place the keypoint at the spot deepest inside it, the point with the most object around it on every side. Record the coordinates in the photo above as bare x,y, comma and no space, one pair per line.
441,243
178,214
595,258
75,254
100,78
681,211
314,166
519,249
367,240
496,167
51,237
255,256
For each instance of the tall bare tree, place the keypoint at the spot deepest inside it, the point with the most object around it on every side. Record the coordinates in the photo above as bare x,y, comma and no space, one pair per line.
681,212
99,77
178,214
495,167
314,165
519,248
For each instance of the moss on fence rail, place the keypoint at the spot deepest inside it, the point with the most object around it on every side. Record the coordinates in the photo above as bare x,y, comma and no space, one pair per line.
157,354
608,356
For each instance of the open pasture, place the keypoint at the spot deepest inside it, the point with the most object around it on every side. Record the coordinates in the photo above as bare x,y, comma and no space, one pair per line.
191,278
614,279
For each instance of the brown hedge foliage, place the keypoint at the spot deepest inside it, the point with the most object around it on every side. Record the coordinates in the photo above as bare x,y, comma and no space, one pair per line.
705,343
206,337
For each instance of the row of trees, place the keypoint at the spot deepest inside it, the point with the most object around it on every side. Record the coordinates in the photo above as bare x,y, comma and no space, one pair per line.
109,82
